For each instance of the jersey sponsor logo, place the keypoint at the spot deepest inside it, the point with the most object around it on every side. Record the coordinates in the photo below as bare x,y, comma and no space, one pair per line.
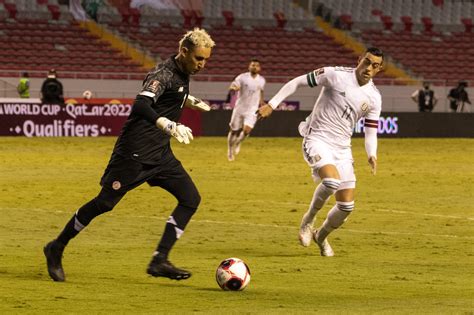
385,125
153,86
116,185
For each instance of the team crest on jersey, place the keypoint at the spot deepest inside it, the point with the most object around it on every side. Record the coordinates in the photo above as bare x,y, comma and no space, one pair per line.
153,86
364,107
316,158
116,185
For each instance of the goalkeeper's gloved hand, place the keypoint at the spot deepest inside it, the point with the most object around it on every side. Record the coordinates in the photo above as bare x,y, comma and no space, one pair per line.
195,103
177,130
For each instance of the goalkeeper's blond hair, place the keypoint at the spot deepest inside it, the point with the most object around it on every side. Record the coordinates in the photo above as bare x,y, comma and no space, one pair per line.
198,37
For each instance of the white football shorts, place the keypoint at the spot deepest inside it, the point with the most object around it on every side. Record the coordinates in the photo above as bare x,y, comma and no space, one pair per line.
318,153
240,119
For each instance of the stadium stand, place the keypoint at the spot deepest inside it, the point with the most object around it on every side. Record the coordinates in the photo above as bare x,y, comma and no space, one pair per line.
280,33
236,46
40,35
421,36
288,44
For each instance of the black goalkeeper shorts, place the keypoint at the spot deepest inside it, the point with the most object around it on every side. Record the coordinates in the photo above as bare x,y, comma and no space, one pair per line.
124,174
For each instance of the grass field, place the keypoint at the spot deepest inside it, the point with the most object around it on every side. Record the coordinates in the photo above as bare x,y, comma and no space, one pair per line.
406,249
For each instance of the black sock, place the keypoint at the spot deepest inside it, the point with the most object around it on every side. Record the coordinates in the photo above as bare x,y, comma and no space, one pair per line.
74,226
104,202
174,228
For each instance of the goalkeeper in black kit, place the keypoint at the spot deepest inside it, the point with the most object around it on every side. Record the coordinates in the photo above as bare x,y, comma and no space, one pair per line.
142,153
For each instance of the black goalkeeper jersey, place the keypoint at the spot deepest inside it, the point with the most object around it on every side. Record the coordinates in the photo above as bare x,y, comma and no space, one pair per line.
168,87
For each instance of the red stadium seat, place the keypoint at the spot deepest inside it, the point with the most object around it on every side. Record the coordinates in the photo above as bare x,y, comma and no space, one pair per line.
135,16
467,24
346,20
387,21
188,17
377,12
198,18
11,8
280,19
55,12
428,23
407,21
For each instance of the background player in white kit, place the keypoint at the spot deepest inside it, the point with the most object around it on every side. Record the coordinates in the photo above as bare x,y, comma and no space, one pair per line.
250,86
348,94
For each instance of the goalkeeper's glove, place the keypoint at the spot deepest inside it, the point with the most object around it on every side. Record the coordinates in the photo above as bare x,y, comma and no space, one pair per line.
195,103
179,131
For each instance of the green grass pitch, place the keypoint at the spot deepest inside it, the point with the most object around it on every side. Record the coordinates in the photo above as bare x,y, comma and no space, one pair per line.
406,249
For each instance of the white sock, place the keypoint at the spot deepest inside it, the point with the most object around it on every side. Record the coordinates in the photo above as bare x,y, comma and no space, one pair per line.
335,218
230,140
321,195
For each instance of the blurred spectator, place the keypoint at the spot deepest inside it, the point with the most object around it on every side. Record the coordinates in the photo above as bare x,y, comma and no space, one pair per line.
92,7
77,11
23,87
458,98
425,98
52,89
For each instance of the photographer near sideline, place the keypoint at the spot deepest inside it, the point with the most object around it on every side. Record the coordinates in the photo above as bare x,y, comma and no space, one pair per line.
52,90
425,98
458,98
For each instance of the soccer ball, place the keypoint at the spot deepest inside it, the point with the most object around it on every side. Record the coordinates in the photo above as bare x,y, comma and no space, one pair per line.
87,94
233,274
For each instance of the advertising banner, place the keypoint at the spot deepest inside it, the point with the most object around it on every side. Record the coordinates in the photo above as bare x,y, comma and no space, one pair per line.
33,119
70,120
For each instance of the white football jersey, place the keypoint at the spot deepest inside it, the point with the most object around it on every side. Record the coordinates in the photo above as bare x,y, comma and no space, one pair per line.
340,105
249,93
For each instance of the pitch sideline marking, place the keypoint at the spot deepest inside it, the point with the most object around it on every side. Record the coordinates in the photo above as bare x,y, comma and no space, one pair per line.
376,210
270,225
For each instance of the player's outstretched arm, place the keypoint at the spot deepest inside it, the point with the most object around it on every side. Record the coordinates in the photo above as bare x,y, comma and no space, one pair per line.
287,90
371,143
182,133
197,104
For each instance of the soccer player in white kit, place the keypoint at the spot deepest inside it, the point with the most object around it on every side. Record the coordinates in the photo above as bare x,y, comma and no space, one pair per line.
347,95
250,86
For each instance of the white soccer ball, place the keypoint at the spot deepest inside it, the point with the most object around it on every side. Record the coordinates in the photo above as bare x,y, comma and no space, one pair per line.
87,94
233,274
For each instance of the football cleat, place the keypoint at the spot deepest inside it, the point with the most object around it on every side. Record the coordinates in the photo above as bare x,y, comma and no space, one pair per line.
305,235
54,254
163,268
326,249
